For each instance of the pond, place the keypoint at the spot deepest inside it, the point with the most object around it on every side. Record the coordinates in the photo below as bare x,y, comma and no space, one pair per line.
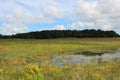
84,58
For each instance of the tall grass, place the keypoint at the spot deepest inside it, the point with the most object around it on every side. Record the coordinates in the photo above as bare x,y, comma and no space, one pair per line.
16,54
13,48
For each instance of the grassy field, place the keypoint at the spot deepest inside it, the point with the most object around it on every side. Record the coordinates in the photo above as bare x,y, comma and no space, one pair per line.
30,59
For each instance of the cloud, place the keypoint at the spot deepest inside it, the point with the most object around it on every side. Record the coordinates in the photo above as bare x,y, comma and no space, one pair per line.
99,14
24,12
59,27
104,13
76,25
16,28
52,11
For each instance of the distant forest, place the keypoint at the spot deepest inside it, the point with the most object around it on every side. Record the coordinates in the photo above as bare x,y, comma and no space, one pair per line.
50,34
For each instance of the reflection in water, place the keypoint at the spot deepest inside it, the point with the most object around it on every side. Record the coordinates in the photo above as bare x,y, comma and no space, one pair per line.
87,53
80,59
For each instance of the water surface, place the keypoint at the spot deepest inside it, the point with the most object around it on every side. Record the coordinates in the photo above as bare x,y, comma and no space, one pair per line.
82,59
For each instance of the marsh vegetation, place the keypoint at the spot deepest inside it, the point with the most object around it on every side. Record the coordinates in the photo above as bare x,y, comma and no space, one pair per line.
38,59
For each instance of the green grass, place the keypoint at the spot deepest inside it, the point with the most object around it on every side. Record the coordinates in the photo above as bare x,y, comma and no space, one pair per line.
15,54
13,48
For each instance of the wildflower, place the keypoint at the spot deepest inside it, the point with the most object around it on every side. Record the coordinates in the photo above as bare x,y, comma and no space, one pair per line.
32,69
66,67
78,68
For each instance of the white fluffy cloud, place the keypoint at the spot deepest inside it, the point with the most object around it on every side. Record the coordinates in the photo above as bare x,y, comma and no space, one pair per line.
52,11
59,27
20,12
82,25
104,13
16,28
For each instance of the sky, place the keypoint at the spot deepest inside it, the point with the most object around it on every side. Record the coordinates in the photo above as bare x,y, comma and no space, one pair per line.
19,16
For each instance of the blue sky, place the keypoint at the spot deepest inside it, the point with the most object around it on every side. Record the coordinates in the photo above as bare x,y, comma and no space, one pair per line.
18,16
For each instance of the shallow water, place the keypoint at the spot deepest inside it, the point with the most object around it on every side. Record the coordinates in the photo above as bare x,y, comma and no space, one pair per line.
80,59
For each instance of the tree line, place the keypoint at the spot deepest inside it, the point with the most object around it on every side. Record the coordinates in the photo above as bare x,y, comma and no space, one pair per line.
50,34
